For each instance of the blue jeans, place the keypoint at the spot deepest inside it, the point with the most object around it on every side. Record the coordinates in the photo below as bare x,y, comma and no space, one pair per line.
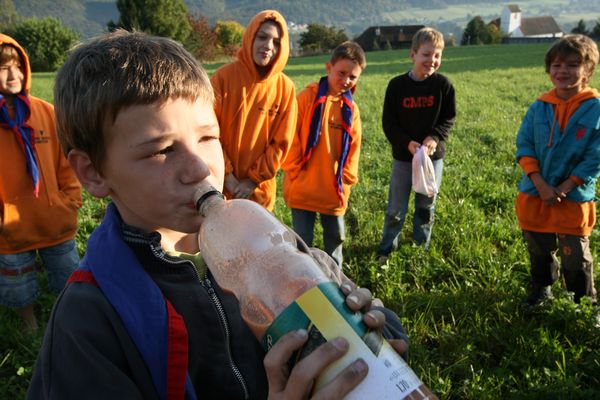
398,196
18,277
333,231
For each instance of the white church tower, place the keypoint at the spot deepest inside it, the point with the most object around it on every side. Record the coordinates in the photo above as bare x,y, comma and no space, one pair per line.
510,19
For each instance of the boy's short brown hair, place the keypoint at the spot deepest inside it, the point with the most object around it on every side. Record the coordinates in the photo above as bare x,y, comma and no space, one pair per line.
112,72
349,50
427,35
9,53
581,46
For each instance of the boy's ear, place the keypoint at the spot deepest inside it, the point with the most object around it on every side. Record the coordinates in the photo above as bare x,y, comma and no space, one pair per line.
588,75
89,177
328,66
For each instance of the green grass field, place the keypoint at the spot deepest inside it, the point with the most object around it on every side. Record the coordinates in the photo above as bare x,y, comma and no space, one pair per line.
460,301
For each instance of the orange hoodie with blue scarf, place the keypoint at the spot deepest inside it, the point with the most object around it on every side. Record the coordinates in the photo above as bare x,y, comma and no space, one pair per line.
560,139
28,221
257,115
311,183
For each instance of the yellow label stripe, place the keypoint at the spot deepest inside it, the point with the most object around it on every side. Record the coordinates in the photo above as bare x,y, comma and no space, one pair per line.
332,324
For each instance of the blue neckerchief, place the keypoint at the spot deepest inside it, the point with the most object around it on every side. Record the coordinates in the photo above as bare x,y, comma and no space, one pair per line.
134,295
24,134
315,129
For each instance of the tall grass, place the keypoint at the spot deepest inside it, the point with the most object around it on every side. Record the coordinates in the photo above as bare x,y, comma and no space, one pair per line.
460,301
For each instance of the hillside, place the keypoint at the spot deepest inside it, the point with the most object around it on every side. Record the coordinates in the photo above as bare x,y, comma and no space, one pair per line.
89,17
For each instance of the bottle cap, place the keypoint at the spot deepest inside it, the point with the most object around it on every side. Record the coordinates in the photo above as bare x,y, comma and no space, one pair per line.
203,194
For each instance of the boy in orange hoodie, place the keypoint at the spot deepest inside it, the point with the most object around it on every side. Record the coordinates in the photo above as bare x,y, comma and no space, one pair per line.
256,108
39,193
558,148
323,161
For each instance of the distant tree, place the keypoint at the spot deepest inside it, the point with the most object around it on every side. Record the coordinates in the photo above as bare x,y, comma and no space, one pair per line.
580,28
157,17
229,36
321,37
202,41
46,41
8,16
596,31
494,34
476,32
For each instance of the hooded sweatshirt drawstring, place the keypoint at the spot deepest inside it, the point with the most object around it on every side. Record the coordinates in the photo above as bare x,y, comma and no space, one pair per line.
552,128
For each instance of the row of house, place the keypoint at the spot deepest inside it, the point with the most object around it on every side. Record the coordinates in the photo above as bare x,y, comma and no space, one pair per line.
513,26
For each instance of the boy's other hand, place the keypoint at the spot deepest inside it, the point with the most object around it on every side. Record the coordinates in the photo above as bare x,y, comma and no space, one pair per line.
244,189
413,147
565,187
361,299
298,383
231,183
431,144
551,195
548,193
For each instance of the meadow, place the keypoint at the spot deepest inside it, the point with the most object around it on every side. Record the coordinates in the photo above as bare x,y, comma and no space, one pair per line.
459,302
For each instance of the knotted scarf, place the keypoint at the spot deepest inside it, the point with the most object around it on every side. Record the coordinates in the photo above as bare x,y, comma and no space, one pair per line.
24,134
158,331
315,129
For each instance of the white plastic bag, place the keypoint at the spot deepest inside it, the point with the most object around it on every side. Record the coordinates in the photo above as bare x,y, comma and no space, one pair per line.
423,176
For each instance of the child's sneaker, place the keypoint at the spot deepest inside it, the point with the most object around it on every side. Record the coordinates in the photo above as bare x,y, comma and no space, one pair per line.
383,259
538,295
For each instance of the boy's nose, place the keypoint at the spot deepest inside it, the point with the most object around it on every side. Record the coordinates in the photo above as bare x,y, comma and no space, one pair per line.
271,44
193,169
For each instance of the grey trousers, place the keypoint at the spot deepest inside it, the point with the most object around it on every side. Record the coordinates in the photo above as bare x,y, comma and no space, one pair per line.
576,263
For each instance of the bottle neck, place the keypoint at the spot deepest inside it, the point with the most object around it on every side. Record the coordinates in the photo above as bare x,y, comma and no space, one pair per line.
207,200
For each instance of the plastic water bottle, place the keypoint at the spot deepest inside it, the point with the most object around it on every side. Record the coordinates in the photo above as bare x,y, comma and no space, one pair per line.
280,288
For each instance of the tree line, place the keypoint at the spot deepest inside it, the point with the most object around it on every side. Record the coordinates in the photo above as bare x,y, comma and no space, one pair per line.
47,40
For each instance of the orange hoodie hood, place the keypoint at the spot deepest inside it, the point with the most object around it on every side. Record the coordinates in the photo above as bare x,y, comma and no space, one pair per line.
5,39
565,108
245,52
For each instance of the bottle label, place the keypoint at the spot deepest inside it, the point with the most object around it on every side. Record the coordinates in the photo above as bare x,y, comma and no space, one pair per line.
323,312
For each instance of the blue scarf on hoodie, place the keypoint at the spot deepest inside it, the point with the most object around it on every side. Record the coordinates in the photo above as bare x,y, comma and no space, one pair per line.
145,313
24,134
315,130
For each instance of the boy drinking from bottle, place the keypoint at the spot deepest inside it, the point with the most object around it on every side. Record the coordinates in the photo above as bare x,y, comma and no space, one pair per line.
143,317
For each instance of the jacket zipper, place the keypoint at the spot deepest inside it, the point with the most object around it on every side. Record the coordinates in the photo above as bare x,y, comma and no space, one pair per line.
207,285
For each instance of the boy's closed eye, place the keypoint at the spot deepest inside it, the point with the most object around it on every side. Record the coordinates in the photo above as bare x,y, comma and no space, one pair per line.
163,151
208,138
9,66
